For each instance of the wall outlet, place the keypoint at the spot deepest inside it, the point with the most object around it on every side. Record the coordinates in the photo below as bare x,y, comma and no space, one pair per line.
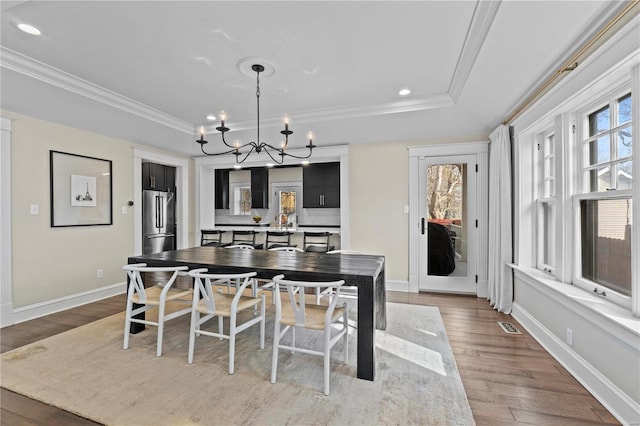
34,209
569,337
406,209
124,209
100,273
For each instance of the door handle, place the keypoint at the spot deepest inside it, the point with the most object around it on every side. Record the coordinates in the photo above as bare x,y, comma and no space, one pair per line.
422,220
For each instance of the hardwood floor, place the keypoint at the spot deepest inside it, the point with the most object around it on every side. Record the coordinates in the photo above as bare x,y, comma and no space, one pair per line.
509,379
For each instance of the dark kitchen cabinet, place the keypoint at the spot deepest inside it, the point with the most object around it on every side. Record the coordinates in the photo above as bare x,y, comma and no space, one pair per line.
260,188
158,177
321,185
222,189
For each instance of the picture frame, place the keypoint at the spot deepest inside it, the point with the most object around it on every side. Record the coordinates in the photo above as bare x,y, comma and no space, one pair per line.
81,190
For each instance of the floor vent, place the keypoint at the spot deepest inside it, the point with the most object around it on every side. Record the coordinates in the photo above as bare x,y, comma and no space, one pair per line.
508,327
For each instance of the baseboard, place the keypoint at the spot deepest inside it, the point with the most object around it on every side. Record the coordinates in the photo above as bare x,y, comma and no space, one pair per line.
6,315
49,307
624,408
482,289
393,285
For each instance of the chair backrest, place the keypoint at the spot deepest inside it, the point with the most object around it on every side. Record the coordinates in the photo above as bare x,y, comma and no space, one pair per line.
240,246
316,241
243,237
136,282
278,239
296,293
204,283
211,237
296,249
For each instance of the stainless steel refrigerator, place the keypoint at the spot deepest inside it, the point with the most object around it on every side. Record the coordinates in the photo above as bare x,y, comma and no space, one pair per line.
158,221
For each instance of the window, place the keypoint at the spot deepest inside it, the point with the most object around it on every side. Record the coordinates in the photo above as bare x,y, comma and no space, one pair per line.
607,149
241,199
546,240
287,208
604,206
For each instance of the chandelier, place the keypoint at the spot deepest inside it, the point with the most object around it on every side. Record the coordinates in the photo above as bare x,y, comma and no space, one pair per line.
242,152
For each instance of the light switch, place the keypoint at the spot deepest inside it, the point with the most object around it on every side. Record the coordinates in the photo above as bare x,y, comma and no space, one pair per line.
124,209
406,209
34,209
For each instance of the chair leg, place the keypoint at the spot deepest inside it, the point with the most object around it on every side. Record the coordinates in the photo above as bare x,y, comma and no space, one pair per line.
293,338
232,344
160,329
195,319
345,318
262,323
127,325
327,359
220,326
276,346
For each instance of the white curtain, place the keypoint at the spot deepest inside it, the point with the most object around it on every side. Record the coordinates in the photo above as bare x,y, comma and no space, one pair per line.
500,248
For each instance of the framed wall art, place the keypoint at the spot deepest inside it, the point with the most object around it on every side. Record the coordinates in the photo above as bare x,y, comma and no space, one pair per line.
81,190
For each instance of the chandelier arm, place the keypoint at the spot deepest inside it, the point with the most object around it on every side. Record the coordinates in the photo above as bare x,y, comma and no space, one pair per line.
216,153
225,142
300,157
253,147
277,161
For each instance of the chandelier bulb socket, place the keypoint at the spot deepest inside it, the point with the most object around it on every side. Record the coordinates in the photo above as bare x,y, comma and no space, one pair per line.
222,129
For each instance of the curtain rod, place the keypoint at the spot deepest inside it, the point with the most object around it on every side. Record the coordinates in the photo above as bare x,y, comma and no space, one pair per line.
572,63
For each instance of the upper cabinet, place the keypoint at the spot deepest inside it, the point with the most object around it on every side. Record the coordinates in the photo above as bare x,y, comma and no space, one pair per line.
222,189
158,177
321,185
260,188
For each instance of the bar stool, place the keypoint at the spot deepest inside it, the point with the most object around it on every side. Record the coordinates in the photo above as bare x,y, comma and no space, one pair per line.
278,239
246,238
318,242
212,237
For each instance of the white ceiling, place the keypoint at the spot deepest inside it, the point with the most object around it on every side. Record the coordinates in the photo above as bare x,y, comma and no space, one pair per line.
149,72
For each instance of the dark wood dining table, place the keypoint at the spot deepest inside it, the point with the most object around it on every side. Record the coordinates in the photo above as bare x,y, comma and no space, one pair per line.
367,272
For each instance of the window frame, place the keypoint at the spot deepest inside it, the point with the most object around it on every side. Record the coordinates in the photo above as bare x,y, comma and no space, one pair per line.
542,175
584,192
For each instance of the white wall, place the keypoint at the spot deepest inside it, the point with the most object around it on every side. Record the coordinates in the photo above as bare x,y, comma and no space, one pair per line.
56,268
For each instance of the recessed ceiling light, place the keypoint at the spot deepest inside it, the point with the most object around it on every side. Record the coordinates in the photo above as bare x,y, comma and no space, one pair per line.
304,162
404,92
237,166
269,164
29,29
211,117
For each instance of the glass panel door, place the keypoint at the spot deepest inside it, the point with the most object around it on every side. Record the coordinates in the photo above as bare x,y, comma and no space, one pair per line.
448,229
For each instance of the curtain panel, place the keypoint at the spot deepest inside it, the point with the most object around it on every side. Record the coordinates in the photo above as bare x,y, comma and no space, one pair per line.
500,276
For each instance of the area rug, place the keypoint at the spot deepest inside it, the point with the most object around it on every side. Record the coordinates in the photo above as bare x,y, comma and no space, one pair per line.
86,371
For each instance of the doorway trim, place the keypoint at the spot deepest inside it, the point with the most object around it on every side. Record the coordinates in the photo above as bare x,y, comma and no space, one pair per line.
481,150
182,192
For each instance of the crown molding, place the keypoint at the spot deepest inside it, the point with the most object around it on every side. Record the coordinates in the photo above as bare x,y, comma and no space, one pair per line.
14,61
481,22
442,100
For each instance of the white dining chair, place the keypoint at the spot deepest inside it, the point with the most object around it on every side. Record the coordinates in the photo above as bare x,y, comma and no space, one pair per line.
295,311
208,304
151,297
